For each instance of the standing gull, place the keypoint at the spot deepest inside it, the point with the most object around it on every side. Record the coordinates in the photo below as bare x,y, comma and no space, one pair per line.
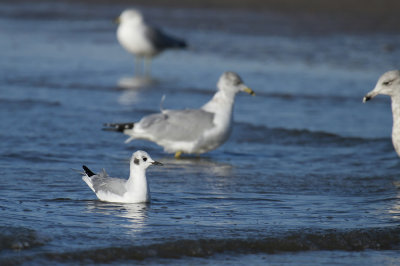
133,190
389,84
191,131
141,39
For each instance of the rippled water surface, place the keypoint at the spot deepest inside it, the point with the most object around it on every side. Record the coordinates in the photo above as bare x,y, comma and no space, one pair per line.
309,174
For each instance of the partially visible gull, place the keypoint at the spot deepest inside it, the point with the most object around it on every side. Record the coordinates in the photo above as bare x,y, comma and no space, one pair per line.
133,190
141,39
389,84
190,131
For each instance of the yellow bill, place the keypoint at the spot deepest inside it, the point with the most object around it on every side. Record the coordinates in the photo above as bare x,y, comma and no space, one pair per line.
249,91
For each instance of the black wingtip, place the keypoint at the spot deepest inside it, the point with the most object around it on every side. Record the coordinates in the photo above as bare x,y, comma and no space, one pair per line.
183,44
118,127
88,172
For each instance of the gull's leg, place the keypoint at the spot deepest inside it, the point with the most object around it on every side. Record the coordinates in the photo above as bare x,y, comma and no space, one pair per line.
147,64
139,61
142,65
137,66
178,154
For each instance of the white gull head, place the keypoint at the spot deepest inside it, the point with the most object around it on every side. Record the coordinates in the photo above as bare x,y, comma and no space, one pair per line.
388,84
141,160
231,83
131,16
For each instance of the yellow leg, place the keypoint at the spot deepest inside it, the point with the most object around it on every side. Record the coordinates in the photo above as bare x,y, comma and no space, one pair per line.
178,154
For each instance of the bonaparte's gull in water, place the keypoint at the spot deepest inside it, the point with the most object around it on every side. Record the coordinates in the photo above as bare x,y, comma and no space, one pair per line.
133,190
191,131
141,39
389,84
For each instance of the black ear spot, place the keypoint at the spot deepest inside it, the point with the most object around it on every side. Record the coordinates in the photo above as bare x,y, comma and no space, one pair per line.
136,161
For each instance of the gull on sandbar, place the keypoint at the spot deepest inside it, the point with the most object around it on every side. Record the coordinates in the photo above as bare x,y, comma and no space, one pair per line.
143,40
133,190
190,131
389,84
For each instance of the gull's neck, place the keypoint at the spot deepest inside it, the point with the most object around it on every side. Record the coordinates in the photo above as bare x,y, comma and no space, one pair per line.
137,182
221,102
396,123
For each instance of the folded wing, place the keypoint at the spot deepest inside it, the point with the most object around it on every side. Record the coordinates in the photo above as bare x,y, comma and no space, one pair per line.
178,125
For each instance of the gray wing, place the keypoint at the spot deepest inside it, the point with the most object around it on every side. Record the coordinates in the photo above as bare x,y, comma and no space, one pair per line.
108,184
185,125
161,41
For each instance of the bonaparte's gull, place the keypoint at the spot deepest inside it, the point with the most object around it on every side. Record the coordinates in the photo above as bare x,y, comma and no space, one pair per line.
389,84
191,131
141,39
133,190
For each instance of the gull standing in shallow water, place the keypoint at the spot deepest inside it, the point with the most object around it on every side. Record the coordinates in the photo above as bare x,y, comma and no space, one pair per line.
191,131
133,190
389,84
141,39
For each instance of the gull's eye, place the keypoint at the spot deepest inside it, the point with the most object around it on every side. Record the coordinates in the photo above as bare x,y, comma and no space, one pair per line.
387,83
144,158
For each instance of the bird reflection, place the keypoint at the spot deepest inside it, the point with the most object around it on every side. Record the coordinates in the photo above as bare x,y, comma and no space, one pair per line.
131,87
395,208
200,164
136,82
135,214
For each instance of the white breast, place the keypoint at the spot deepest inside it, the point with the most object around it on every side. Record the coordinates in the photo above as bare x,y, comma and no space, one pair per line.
133,39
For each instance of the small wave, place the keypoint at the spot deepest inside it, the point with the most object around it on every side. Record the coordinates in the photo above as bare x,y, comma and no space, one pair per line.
27,103
304,240
58,199
49,82
262,134
17,238
32,156
287,96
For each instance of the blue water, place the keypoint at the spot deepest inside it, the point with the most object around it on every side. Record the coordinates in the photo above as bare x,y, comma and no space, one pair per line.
308,176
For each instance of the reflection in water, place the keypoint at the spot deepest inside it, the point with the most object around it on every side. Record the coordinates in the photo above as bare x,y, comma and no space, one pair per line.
128,97
199,164
135,214
394,209
138,82
131,86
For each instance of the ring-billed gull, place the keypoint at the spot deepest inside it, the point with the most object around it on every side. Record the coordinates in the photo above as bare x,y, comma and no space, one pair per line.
141,39
389,84
191,131
133,190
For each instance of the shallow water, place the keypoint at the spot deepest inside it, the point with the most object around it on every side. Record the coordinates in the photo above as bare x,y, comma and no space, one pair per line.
309,174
